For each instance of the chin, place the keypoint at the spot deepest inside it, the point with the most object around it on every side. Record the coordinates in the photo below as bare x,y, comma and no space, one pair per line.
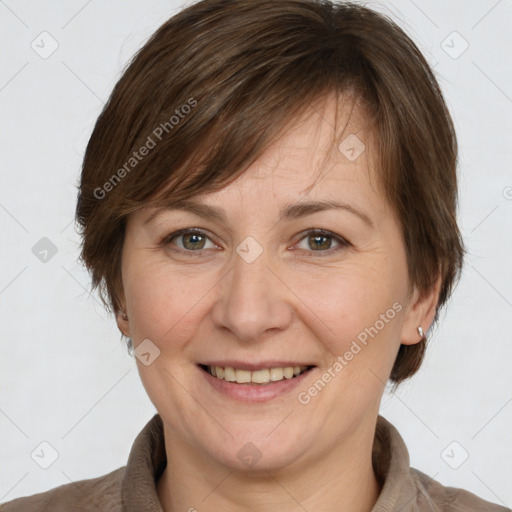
253,450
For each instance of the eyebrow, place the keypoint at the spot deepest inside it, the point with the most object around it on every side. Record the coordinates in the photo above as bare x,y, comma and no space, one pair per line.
288,212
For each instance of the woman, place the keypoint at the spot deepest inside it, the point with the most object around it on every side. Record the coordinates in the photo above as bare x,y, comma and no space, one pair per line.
268,205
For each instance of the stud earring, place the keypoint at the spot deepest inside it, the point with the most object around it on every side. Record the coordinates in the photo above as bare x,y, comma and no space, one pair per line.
420,331
124,316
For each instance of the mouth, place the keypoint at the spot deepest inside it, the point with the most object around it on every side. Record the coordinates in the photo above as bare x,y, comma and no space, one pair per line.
259,376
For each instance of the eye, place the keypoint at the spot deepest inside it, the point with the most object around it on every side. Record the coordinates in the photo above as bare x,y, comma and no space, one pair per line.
192,240
321,240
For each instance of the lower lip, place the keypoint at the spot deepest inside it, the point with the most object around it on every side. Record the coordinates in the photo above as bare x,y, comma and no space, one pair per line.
254,392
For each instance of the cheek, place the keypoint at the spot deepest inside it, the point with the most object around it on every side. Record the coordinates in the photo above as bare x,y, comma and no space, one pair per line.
165,304
165,308
354,311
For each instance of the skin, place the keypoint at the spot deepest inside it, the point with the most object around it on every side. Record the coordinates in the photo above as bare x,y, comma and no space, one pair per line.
293,302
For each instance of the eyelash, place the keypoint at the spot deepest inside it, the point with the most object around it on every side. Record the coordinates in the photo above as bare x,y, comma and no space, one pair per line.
343,243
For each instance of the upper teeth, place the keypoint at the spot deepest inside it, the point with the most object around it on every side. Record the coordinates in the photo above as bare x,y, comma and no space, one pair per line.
258,377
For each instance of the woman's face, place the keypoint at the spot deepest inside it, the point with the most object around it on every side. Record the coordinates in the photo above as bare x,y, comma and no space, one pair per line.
254,287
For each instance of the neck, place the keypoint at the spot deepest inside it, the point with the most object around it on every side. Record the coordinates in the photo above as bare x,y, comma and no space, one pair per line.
341,480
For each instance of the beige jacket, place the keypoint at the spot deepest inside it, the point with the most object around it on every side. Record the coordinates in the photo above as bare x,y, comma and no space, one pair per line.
132,488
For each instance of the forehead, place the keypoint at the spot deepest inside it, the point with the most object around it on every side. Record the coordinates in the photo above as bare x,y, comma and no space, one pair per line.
322,155
326,150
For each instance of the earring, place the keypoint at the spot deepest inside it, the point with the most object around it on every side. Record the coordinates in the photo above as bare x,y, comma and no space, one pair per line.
420,331
124,316
129,347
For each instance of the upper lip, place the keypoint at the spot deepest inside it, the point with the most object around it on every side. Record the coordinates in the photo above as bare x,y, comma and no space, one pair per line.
252,366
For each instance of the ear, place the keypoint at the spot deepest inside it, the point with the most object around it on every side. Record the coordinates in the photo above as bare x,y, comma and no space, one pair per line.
119,303
421,312
122,318
123,322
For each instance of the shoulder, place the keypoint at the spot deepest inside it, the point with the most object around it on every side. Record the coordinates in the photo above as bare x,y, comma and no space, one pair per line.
432,495
101,493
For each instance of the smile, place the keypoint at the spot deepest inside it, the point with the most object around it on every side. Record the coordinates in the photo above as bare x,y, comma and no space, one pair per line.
261,376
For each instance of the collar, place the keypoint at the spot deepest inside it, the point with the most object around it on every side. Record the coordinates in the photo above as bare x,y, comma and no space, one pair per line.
147,461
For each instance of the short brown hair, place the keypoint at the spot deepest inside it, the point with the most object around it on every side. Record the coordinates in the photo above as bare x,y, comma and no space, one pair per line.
243,69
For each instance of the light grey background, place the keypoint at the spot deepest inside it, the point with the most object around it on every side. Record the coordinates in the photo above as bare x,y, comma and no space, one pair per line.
66,378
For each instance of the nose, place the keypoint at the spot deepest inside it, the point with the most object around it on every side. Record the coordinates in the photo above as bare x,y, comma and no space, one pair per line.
252,300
